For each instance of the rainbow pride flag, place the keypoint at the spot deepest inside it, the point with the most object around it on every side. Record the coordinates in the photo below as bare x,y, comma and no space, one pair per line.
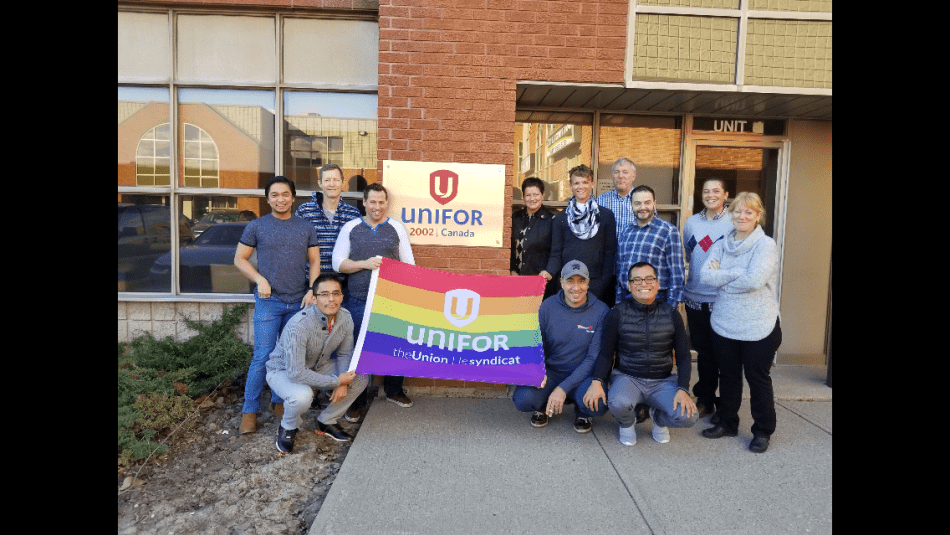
420,322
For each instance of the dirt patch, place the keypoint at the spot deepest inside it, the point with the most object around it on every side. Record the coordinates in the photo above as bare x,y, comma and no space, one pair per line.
213,480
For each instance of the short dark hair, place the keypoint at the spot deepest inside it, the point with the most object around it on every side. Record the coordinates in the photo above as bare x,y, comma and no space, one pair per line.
638,189
375,186
580,170
640,265
326,277
532,182
328,167
280,179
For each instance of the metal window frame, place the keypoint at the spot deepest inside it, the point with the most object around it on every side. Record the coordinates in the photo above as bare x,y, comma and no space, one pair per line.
173,84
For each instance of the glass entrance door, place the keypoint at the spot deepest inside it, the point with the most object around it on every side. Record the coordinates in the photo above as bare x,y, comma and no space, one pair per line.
759,166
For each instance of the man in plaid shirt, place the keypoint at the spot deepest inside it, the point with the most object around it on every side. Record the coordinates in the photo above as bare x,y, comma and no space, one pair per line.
651,239
617,200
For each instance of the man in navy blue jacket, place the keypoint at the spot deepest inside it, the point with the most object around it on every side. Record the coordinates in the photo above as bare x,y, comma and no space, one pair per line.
570,324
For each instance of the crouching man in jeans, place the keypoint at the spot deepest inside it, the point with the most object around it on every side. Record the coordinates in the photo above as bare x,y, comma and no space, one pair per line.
570,324
301,363
645,334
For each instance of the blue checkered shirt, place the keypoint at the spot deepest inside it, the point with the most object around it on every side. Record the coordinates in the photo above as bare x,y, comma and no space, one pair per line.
622,207
658,243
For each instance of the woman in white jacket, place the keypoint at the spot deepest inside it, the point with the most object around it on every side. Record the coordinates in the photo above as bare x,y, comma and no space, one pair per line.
745,320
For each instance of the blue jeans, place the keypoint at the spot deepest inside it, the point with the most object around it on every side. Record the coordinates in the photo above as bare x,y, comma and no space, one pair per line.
626,391
530,398
270,316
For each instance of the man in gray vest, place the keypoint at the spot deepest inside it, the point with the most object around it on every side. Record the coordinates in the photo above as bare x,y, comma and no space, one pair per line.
358,251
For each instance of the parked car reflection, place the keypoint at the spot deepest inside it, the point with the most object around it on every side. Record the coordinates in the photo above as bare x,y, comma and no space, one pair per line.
207,263
144,236
221,215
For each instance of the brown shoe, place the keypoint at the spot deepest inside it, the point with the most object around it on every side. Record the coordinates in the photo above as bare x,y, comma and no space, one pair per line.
248,423
278,409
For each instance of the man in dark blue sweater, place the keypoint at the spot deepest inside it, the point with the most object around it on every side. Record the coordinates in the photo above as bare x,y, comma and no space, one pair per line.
570,324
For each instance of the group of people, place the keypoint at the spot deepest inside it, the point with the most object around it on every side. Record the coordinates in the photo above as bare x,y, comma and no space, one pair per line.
305,327
610,327
612,345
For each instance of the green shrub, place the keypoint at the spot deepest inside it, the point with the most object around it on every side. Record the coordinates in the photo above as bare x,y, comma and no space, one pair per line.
154,374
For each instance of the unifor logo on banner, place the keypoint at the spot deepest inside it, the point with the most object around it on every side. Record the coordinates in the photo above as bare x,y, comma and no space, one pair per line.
443,186
461,307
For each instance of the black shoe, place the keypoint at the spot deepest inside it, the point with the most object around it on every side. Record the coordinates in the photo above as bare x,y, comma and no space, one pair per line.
643,412
539,419
704,408
333,431
719,432
759,444
582,424
285,439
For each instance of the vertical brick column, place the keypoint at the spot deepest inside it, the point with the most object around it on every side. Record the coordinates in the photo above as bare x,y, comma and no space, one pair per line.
448,78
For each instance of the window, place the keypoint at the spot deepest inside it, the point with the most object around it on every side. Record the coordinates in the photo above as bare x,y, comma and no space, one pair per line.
241,85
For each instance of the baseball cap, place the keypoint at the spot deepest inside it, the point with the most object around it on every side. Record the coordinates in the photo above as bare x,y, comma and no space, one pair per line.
574,267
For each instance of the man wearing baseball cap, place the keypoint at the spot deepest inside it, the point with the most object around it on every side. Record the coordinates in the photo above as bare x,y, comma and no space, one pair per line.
570,324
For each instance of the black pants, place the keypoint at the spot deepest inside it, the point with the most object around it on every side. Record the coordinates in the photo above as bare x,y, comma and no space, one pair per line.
707,368
755,358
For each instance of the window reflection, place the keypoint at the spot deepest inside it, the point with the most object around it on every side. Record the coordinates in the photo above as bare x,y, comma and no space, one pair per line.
652,143
227,138
206,264
144,159
145,236
548,150
337,128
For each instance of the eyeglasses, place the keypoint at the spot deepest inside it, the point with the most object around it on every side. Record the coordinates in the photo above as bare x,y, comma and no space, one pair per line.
648,280
330,294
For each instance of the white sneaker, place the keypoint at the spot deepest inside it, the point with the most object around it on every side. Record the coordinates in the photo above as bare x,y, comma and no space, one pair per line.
628,436
660,434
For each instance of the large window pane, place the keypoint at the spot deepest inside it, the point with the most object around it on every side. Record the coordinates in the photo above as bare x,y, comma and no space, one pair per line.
322,128
335,52
548,150
145,238
206,265
226,138
221,48
652,143
144,47
144,137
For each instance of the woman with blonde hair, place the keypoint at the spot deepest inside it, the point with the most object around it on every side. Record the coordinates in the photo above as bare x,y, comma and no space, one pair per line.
745,320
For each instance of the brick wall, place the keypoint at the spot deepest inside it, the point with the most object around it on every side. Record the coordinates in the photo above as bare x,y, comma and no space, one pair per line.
448,74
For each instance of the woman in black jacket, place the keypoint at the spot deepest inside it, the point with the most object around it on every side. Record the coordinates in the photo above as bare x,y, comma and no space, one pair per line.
531,235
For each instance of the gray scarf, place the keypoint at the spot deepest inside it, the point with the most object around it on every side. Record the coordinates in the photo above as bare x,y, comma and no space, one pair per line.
582,218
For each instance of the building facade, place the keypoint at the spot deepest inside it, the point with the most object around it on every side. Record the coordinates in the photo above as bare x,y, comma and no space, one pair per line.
688,89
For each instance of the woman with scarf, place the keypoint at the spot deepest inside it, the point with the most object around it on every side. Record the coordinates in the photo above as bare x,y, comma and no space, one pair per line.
587,232
531,235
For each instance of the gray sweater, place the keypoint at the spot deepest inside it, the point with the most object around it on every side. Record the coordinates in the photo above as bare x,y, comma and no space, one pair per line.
747,279
305,342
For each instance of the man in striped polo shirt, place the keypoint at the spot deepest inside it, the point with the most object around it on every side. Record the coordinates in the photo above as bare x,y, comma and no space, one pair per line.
328,212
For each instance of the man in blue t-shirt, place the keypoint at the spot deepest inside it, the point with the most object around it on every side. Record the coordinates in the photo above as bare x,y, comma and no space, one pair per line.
285,244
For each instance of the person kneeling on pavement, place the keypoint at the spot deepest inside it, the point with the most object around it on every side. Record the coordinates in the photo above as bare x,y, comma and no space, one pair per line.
645,334
301,363
570,324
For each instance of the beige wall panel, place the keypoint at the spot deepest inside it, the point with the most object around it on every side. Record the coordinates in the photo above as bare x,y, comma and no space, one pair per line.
807,255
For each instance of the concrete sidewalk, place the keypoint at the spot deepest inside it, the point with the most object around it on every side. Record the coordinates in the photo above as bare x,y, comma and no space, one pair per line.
473,466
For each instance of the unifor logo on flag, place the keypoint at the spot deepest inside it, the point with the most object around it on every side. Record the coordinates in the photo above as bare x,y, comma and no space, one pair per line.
421,322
